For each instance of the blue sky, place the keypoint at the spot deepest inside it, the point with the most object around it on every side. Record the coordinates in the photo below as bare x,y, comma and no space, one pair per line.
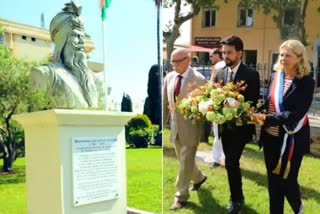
131,37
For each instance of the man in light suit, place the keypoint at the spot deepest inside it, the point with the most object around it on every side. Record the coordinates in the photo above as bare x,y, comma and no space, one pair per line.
184,134
234,138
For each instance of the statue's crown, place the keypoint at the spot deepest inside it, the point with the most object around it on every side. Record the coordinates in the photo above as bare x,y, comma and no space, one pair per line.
68,19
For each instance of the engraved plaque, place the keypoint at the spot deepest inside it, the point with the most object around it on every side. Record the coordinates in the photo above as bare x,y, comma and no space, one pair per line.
95,169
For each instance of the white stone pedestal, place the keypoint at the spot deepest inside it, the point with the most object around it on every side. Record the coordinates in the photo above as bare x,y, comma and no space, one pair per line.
64,177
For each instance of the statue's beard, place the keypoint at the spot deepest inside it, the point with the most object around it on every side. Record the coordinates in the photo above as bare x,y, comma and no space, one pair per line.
77,63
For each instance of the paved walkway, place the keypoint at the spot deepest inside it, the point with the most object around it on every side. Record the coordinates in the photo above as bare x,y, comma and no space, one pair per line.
314,121
204,156
136,211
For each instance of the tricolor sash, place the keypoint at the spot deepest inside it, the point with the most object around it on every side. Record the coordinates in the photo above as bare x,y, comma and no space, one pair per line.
276,101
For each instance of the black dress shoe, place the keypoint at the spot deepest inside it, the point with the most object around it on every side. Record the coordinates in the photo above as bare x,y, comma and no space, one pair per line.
234,207
197,186
214,165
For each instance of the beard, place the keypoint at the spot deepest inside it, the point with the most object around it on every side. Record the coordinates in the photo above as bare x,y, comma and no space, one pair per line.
76,61
229,62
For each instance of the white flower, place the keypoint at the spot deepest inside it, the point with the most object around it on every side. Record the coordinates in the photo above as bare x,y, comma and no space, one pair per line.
232,102
203,106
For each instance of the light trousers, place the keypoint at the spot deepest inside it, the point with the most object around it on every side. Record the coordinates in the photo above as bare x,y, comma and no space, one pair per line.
188,170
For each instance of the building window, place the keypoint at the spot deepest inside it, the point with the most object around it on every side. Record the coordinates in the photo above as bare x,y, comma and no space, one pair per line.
250,58
290,23
274,59
24,37
246,17
2,39
33,39
209,18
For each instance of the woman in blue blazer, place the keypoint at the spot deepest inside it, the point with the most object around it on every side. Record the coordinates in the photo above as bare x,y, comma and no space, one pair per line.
285,134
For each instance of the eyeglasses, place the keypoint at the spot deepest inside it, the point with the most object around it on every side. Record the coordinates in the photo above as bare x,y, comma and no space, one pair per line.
177,61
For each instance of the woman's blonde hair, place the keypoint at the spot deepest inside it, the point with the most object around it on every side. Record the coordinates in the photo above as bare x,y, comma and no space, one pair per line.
303,67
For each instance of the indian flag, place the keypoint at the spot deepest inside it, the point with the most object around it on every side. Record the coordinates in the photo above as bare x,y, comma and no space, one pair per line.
104,4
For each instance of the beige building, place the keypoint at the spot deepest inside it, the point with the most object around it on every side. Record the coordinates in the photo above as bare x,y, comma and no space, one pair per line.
33,43
259,32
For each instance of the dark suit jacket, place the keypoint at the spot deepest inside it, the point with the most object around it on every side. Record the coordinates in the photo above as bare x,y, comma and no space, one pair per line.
296,103
244,133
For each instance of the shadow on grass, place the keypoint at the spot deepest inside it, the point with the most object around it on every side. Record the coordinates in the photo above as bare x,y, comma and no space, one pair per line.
256,177
261,180
169,152
19,176
209,205
307,193
248,210
253,153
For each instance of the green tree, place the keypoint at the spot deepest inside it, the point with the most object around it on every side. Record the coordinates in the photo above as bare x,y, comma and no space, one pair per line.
152,105
15,97
139,131
126,104
172,29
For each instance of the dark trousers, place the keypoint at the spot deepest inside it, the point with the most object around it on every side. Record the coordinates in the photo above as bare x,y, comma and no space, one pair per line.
278,187
206,132
233,151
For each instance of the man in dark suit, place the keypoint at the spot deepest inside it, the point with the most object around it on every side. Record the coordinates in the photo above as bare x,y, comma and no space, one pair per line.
234,138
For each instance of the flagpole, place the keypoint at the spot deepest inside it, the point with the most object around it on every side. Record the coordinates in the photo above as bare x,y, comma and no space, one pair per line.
104,4
105,76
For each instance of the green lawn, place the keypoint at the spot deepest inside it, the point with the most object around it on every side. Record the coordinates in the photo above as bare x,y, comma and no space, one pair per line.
214,194
13,190
144,179
143,183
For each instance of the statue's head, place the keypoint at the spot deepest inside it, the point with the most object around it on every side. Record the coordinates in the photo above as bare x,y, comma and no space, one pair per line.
67,32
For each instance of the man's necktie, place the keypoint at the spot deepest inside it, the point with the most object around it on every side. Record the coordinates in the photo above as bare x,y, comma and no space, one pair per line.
231,76
178,86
